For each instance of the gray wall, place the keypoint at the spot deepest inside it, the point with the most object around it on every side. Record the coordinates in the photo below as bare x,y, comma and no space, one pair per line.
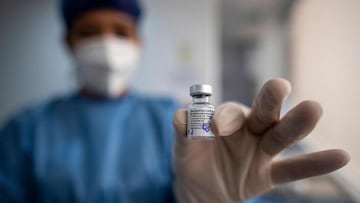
33,63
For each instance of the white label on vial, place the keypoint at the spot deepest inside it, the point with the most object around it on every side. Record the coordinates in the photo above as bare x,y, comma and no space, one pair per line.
199,122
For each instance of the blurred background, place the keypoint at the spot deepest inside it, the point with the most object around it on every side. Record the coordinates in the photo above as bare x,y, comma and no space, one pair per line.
234,45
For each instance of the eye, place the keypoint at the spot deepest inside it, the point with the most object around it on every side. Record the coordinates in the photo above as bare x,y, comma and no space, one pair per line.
87,32
121,31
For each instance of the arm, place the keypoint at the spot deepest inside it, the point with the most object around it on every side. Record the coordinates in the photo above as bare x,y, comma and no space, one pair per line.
15,166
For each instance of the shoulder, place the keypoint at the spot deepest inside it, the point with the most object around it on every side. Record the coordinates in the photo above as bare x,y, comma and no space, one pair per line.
32,113
21,128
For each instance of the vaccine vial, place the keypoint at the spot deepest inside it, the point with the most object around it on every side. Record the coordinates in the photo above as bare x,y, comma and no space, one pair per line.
200,113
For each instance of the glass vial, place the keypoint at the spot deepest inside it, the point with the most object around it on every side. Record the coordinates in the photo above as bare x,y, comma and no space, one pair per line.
200,113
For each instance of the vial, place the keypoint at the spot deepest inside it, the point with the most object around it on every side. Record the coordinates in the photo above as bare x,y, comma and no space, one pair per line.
200,113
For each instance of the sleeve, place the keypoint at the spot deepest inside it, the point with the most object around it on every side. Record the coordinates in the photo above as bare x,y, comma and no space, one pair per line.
164,109
171,108
15,166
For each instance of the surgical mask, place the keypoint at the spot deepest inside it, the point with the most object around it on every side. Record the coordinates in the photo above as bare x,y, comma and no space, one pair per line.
105,65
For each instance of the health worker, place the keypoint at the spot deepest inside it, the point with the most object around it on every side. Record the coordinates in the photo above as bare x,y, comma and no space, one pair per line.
107,144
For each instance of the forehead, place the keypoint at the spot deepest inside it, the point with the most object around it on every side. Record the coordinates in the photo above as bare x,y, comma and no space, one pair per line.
105,17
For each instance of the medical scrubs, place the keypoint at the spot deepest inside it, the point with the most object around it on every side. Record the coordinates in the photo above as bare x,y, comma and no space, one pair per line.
77,149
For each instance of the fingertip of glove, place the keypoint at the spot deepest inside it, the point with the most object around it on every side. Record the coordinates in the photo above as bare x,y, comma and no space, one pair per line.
228,118
342,157
280,83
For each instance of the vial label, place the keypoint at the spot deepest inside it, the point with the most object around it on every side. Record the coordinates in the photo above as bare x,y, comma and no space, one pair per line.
199,120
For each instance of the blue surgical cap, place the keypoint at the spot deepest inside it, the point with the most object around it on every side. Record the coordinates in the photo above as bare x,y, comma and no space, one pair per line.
72,9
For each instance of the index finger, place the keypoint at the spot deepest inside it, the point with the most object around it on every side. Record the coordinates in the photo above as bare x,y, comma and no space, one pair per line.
229,118
267,105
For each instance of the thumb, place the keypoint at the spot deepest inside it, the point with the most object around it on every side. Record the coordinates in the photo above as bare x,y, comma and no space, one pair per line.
181,141
180,120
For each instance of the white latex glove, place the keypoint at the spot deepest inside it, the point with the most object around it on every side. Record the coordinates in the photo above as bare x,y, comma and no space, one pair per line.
239,164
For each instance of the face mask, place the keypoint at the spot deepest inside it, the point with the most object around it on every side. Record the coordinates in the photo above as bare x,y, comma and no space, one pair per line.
105,65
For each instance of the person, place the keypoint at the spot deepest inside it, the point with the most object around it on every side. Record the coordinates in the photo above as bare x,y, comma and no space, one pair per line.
106,143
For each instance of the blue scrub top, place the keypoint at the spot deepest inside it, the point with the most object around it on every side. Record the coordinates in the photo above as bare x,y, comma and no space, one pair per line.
81,150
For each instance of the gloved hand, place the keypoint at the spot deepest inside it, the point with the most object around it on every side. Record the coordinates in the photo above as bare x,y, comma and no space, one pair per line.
240,163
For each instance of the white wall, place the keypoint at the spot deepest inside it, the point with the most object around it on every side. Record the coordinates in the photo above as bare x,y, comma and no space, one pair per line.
326,54
182,43
180,38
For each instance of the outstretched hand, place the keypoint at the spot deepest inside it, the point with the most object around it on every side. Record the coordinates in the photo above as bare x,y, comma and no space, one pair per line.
240,163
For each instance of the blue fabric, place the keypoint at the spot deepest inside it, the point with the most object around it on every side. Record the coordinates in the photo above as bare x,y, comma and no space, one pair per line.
268,200
81,150
72,9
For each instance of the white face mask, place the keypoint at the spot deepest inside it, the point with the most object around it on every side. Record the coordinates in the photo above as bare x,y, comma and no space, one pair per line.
105,65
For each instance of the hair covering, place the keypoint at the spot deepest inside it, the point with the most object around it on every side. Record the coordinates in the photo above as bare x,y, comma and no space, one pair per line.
72,9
